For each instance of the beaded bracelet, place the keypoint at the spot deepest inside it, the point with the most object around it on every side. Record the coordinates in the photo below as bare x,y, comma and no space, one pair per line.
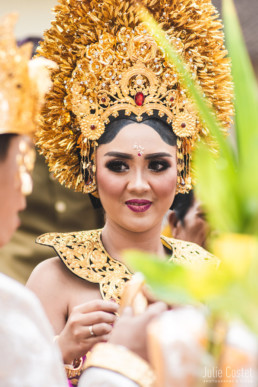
75,369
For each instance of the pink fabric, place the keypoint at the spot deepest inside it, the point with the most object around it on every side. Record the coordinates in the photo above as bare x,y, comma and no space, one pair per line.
74,381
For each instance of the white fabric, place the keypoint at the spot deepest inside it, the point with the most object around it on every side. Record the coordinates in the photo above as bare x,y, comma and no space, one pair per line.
99,377
178,334
28,356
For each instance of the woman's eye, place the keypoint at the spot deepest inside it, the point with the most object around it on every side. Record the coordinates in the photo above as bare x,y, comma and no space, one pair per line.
117,166
158,165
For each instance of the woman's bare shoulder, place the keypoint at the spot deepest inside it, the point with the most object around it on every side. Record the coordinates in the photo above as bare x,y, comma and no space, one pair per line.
50,264
49,272
53,274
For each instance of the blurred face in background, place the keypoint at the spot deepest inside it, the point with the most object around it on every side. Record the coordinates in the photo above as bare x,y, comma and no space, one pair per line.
193,228
15,182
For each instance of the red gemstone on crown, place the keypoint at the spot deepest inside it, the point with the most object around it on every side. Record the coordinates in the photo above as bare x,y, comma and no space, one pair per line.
139,99
172,99
183,125
103,99
93,127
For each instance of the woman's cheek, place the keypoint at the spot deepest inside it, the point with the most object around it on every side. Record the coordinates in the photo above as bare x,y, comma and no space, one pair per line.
166,186
109,183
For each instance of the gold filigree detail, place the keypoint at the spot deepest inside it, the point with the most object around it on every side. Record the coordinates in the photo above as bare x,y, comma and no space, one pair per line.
188,253
91,127
84,255
184,125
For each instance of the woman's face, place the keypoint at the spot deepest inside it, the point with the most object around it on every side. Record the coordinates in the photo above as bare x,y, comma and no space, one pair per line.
136,178
12,199
194,228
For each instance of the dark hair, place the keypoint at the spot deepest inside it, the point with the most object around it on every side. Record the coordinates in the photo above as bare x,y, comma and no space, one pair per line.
161,127
35,40
181,204
5,140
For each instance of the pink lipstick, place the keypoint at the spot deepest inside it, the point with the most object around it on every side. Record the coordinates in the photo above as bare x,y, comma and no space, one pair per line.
138,205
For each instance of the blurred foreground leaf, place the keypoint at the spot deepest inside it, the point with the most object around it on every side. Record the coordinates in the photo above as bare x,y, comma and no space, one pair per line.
230,195
229,291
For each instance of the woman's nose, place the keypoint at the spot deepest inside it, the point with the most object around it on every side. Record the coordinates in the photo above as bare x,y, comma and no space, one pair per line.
138,182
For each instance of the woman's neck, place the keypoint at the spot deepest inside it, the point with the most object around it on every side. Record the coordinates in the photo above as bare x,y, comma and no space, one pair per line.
116,239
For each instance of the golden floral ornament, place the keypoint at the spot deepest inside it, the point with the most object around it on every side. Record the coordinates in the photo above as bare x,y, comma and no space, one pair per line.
184,124
110,66
92,127
172,98
142,47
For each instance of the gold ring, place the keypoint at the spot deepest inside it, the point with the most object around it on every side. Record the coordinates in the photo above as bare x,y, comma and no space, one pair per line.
91,330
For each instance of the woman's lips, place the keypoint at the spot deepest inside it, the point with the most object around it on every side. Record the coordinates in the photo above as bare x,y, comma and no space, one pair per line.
138,205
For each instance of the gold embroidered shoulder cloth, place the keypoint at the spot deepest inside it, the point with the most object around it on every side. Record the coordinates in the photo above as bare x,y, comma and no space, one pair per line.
185,253
84,255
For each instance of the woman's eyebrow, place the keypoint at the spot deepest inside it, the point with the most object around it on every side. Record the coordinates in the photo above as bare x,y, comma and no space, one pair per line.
121,155
157,155
129,156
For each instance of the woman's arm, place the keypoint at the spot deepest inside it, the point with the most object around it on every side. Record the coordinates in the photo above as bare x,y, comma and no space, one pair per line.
79,325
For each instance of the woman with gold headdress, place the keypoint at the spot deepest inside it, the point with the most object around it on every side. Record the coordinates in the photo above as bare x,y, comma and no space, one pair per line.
119,126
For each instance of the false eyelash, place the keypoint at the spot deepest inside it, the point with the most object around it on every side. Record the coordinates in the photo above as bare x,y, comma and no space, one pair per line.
117,166
165,165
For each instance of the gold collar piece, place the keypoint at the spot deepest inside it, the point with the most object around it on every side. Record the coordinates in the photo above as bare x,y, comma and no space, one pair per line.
85,256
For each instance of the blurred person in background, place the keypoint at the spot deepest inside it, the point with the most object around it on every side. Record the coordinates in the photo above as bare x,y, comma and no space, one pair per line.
28,355
187,220
50,207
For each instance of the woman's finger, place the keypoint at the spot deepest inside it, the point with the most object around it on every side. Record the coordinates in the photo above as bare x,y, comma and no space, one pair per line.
100,329
85,333
92,318
97,305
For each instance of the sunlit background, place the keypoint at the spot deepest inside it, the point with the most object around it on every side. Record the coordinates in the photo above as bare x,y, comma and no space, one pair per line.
34,15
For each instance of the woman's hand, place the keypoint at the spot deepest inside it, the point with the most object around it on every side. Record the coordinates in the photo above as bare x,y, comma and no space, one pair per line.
87,325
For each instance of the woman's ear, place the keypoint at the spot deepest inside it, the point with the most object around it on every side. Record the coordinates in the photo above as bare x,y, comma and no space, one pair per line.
172,219
174,223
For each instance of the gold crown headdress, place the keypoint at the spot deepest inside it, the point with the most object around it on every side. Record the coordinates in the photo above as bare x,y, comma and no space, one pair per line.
23,83
110,65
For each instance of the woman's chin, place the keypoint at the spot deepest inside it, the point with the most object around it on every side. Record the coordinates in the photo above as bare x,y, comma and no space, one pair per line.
139,226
